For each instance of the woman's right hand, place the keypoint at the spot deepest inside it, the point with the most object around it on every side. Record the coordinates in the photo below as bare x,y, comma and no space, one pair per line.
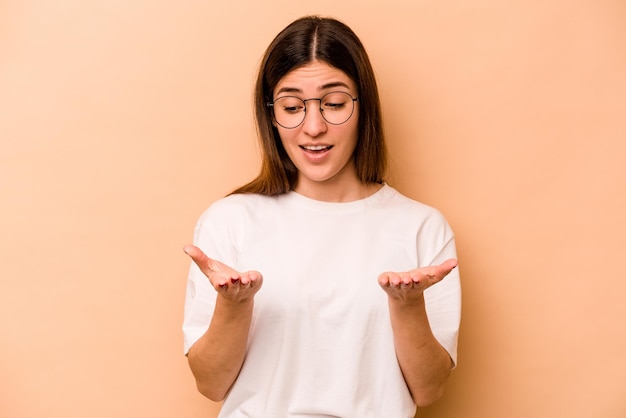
216,358
229,283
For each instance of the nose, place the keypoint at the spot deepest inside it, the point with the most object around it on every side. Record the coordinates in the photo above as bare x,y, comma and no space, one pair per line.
314,124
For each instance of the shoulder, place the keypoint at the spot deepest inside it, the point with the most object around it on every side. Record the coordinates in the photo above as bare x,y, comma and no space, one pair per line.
241,200
236,206
407,208
425,223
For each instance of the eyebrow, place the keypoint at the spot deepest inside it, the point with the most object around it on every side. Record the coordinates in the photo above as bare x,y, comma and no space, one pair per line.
322,87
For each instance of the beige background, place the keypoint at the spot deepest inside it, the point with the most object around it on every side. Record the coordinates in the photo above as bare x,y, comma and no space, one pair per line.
120,121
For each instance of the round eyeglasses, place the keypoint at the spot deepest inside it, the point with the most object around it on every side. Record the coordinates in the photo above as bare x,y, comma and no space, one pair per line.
336,108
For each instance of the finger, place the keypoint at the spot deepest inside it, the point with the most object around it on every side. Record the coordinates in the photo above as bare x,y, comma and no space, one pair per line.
406,280
245,285
450,264
435,273
251,278
443,269
204,263
221,281
394,279
218,274
383,279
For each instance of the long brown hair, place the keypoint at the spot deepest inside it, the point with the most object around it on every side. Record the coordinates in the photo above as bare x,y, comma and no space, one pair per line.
305,40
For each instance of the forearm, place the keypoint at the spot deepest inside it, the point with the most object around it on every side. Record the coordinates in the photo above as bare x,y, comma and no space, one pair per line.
216,358
425,364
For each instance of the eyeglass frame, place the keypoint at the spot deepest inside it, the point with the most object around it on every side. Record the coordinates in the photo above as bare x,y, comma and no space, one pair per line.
271,105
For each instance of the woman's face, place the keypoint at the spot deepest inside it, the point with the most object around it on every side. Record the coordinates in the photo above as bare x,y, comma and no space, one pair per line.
322,152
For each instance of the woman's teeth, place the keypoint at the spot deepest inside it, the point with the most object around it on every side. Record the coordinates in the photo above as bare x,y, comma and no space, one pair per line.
316,148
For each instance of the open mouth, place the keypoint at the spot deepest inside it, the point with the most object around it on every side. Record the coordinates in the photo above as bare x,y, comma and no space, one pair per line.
316,149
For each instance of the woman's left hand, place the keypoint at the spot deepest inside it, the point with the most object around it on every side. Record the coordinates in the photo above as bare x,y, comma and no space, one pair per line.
409,286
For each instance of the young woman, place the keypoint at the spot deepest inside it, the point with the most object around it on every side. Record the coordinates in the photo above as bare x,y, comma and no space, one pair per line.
317,290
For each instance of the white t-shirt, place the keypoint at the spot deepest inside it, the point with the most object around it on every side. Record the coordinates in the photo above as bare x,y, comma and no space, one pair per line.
320,342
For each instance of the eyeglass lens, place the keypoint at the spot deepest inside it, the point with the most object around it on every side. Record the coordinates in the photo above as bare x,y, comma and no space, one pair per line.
336,108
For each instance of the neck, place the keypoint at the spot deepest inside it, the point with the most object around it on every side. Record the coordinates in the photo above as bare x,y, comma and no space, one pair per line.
337,192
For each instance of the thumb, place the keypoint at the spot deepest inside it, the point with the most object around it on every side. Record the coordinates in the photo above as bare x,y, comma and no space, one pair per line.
205,264
447,266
